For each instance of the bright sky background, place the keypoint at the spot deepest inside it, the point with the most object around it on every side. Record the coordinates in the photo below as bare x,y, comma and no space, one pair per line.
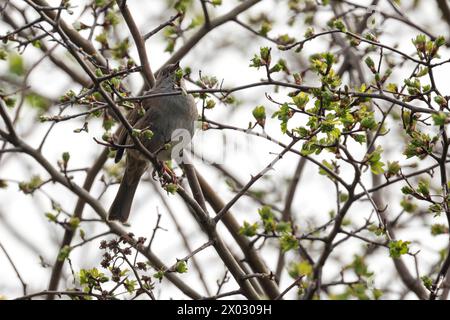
314,198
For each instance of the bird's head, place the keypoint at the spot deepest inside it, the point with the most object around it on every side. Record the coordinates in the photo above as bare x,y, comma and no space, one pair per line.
169,74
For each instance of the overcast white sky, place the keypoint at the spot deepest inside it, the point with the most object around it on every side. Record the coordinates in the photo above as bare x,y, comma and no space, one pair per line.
314,199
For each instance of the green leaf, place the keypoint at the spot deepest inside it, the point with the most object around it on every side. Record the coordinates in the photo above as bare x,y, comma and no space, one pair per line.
377,293
266,26
38,102
29,187
288,242
112,18
376,230
440,41
159,275
309,32
438,228
283,114
369,62
339,24
99,72
436,208
408,205
136,132
359,138
375,163
171,188
369,122
393,168
10,102
284,39
283,227
83,276
407,190
266,212
424,188
50,216
299,269
108,123
268,218
360,267
182,5
66,156
423,71
420,40
343,197
102,38
179,74
427,282
398,248
440,118
329,166
74,222
256,62
248,230
16,64
120,50
181,267
302,131
300,100
310,148
170,47
265,55
147,134
68,96
259,112
297,78
210,104
3,54
107,136
130,285
64,253
420,145
100,3
414,86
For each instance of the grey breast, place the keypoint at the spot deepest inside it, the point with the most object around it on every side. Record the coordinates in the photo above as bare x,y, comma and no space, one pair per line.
168,117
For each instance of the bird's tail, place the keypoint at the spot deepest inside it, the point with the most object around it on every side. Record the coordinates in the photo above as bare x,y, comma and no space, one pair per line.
121,206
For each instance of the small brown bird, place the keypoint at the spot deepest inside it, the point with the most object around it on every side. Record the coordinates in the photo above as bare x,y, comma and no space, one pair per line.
164,116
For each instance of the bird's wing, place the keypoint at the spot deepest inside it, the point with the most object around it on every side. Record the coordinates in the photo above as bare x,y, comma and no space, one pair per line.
122,134
163,116
133,118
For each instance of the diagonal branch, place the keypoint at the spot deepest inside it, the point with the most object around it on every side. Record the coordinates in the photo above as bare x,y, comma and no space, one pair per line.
140,44
75,37
228,206
205,29
24,285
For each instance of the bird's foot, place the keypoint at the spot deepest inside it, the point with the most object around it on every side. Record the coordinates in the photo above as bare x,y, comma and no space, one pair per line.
172,176
162,171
